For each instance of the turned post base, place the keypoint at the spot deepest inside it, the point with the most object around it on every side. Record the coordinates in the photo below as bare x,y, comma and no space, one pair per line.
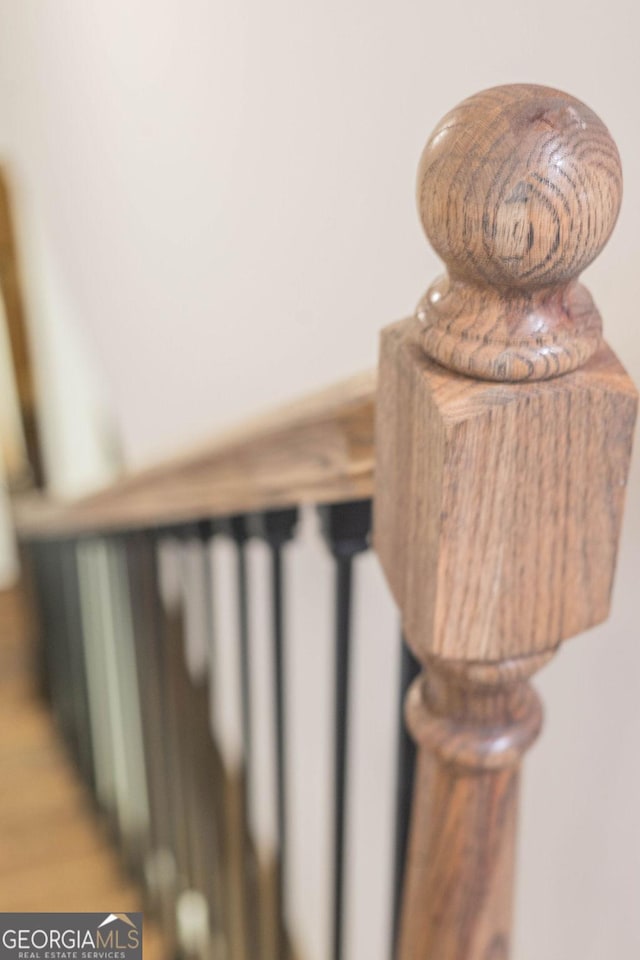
472,723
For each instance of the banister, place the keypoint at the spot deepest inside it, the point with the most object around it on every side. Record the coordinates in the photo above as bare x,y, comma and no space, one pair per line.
504,429
316,450
497,464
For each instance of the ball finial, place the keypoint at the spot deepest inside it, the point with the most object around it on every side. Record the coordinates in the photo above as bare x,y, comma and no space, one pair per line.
519,188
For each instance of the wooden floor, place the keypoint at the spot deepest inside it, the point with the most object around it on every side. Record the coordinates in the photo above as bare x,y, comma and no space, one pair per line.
54,855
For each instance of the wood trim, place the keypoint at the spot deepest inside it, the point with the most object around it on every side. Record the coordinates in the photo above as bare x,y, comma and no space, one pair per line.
317,450
21,354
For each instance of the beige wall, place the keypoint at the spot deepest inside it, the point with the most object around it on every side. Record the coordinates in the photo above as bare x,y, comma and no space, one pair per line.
79,444
227,186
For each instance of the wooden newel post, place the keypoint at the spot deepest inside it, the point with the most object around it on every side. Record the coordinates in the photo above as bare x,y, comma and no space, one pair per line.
504,426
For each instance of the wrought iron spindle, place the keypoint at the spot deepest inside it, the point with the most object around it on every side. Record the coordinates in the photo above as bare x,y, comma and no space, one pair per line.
277,528
238,528
208,765
51,576
346,527
405,771
77,672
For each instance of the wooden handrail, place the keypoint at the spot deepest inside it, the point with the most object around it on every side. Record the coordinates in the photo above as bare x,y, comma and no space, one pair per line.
317,450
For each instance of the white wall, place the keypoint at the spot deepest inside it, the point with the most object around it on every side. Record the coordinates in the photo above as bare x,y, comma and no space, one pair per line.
80,448
227,187
81,451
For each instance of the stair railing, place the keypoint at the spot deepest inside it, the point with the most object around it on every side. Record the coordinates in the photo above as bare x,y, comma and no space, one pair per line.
494,446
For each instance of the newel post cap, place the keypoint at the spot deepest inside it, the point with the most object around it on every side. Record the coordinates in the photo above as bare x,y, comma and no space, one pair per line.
518,189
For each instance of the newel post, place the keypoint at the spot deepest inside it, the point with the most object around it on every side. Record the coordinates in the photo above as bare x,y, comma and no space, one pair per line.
504,426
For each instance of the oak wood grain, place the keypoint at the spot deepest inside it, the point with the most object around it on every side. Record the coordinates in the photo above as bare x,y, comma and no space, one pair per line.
472,723
503,436
519,188
317,450
498,506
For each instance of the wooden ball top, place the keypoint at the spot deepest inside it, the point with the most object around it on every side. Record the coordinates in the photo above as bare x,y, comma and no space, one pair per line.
519,188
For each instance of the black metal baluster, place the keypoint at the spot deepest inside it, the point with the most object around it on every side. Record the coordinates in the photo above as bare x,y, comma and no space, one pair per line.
70,630
34,552
277,527
240,534
53,593
406,754
107,643
169,639
75,640
207,772
239,531
131,705
346,527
